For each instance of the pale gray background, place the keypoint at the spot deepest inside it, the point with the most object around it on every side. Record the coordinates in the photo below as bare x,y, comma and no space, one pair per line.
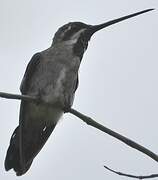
118,86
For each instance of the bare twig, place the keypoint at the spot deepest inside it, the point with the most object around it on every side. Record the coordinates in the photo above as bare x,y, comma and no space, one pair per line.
132,176
118,136
18,97
93,123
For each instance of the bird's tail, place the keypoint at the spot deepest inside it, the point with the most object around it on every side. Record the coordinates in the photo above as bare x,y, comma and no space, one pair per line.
12,159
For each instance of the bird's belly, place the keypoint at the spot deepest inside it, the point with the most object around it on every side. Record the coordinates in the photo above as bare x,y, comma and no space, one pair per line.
46,114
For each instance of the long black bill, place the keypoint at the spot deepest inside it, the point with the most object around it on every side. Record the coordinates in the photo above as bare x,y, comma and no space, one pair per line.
95,28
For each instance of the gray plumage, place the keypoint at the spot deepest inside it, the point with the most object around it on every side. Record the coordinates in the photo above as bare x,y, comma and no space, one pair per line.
52,76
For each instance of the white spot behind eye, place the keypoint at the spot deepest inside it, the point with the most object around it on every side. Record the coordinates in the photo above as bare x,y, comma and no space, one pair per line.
44,128
77,34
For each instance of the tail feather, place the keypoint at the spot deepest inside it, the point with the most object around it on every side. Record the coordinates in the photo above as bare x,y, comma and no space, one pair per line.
36,124
30,150
12,159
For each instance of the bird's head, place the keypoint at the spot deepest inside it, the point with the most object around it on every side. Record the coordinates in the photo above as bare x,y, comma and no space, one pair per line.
74,33
78,33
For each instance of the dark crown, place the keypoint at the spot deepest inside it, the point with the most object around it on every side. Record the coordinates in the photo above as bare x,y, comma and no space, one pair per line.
67,31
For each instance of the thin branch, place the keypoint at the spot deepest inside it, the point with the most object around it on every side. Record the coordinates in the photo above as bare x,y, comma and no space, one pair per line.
93,123
132,176
18,97
118,136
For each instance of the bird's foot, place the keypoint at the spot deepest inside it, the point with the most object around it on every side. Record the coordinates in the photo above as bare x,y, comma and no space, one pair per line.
66,109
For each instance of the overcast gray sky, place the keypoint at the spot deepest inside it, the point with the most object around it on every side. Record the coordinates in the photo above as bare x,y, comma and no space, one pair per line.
118,86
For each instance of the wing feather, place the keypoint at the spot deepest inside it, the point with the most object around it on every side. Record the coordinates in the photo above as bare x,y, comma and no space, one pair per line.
31,67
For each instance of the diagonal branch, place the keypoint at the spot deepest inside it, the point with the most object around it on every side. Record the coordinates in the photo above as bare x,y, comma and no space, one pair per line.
91,122
114,134
132,176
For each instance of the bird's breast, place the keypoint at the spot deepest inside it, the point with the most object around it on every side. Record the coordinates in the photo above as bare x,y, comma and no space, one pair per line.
64,77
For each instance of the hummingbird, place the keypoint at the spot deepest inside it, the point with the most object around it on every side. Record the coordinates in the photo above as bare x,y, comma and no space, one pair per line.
52,77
